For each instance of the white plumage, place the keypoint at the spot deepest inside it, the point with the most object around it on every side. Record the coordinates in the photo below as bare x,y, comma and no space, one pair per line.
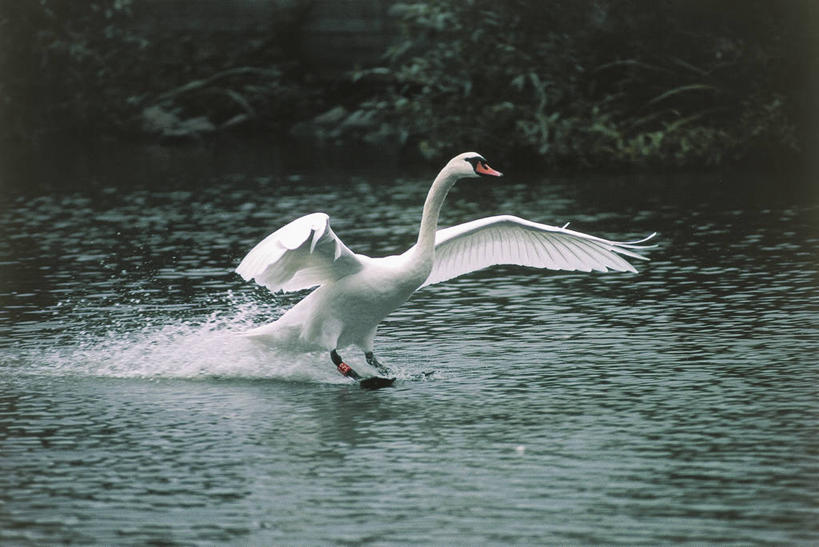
507,239
300,255
355,292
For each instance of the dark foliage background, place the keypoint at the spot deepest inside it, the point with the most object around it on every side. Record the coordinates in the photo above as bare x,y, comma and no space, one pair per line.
584,83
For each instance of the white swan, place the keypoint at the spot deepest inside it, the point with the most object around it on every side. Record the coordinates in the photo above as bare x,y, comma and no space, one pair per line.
355,292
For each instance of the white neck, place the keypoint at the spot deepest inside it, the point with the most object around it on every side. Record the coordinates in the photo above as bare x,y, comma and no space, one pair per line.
425,247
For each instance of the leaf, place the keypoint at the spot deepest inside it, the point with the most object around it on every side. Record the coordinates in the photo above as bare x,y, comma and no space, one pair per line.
631,63
681,89
199,84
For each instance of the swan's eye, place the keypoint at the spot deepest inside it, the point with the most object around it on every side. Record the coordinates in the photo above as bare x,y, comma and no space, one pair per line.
474,161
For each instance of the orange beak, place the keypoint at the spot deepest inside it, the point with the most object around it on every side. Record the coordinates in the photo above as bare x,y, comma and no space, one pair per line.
484,169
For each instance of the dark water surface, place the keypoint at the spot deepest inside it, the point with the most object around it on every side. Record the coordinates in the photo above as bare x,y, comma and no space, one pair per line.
676,404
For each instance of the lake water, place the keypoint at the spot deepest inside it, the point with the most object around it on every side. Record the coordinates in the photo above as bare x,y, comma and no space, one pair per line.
676,404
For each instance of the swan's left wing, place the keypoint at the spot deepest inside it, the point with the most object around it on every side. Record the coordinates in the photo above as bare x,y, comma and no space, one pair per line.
299,255
508,239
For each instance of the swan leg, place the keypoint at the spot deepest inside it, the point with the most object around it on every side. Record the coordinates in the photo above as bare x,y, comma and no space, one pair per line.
373,362
343,368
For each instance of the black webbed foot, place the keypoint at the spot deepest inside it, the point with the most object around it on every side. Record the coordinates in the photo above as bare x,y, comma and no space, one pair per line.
376,382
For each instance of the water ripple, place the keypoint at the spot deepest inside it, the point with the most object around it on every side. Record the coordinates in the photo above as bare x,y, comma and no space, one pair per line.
676,404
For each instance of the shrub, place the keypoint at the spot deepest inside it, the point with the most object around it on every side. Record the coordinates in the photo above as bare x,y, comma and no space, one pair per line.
89,68
584,82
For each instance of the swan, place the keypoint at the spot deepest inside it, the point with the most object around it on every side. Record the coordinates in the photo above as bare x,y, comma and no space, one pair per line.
355,292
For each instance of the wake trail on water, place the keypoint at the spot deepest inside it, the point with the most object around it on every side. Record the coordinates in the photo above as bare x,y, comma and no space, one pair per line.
137,340
210,347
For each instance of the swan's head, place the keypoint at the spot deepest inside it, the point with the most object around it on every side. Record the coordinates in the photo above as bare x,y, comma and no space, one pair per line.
471,165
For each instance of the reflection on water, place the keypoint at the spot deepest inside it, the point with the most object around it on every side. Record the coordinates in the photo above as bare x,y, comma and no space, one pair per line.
675,404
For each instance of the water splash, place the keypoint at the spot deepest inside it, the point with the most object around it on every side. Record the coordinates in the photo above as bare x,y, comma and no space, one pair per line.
209,347
150,341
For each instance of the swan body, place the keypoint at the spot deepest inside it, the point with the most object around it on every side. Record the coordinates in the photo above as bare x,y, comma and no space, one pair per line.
355,292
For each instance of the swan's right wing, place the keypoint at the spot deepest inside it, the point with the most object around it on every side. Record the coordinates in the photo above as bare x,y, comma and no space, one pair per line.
299,255
508,239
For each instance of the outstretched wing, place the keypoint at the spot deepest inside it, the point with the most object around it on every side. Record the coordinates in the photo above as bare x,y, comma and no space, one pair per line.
508,239
300,255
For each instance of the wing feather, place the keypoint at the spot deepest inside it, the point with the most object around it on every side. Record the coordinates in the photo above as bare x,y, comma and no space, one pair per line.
299,255
583,260
508,239
560,259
